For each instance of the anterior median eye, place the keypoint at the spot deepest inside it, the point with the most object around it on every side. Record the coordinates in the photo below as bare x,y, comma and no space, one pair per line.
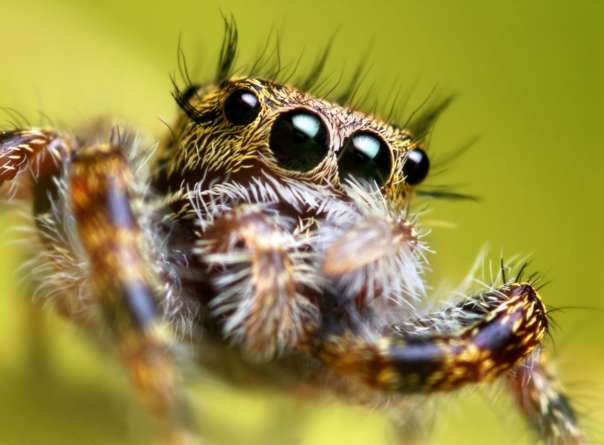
241,107
299,140
416,166
365,156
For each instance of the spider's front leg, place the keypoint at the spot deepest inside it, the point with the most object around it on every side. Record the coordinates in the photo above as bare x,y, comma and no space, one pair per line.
480,339
532,382
511,328
262,279
122,281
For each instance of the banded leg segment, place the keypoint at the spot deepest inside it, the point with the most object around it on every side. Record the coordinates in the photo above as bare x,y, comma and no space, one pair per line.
511,327
20,149
533,383
123,282
544,405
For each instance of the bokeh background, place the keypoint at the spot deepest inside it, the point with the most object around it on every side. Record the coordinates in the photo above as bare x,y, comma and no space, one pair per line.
529,80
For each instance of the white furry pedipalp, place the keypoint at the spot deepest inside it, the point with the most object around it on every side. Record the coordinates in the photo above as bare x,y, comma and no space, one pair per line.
392,275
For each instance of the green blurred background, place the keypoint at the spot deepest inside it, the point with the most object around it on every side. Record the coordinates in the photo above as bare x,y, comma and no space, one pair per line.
529,81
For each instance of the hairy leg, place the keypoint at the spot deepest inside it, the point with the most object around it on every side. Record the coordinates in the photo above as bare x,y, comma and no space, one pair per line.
31,149
493,334
545,406
533,383
511,326
123,283
33,153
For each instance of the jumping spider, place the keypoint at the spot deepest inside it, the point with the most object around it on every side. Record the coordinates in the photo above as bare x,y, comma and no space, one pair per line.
271,233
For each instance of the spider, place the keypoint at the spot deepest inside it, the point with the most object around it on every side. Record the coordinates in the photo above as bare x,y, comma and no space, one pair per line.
271,233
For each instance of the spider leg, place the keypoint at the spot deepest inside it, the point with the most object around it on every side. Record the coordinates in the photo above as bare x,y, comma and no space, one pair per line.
532,383
33,148
510,325
260,275
545,406
36,153
123,282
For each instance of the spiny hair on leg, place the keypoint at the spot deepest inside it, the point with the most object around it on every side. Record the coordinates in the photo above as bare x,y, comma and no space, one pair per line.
58,266
481,290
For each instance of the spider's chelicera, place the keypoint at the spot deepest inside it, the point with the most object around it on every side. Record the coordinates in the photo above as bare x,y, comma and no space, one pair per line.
271,232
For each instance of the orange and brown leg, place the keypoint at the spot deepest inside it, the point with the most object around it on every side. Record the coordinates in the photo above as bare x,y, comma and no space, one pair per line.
545,406
532,383
491,335
32,149
124,283
506,330
32,153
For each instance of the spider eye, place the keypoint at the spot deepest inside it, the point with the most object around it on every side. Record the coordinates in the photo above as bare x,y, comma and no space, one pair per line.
416,166
365,156
241,107
299,140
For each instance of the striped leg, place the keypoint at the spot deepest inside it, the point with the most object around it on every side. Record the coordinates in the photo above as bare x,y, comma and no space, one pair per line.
32,149
123,282
32,153
532,383
546,408
510,325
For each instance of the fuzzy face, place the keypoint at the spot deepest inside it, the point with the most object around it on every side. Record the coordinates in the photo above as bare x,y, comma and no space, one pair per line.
299,212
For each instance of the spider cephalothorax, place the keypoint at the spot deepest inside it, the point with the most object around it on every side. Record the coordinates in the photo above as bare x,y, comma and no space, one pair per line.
315,190
272,226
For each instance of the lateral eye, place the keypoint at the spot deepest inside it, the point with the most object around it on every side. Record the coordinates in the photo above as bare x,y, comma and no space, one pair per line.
416,166
241,107
299,140
365,156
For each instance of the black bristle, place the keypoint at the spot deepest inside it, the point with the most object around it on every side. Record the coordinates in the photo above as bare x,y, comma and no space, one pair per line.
183,99
361,70
228,50
420,123
502,268
445,193
314,74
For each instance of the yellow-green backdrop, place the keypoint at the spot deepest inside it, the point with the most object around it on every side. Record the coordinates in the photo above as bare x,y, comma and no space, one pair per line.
529,81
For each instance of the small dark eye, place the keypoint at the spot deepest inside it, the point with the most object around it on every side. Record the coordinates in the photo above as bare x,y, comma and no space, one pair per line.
299,140
241,107
365,156
416,166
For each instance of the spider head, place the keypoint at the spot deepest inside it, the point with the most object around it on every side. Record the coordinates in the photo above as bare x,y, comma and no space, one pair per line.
250,127
298,206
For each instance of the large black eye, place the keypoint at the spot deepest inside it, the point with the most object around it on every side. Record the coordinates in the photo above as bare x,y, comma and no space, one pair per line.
299,140
416,166
241,107
365,156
